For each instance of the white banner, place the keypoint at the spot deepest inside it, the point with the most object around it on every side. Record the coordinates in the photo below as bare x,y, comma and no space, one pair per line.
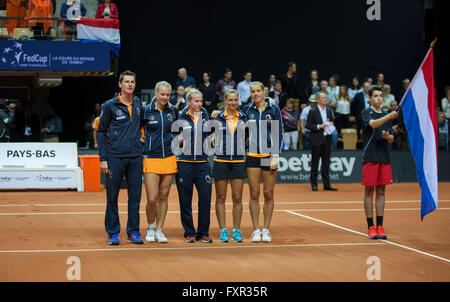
34,155
38,179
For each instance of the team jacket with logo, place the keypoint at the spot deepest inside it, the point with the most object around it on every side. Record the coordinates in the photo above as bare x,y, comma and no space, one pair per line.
124,137
230,145
255,118
195,135
157,126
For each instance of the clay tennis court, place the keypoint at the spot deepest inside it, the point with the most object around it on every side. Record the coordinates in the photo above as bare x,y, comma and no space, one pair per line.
317,236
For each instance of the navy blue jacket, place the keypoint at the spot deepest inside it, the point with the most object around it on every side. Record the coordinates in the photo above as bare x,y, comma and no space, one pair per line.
230,146
271,114
198,134
157,127
119,134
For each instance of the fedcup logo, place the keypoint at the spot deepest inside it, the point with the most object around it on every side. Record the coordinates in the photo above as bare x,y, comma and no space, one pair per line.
11,55
14,55
261,136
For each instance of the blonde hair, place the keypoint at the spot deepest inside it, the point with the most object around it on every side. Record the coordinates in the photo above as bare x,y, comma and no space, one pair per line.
256,83
230,91
190,92
162,84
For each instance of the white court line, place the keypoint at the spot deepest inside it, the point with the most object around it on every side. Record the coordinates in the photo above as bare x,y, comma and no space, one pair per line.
365,235
212,211
227,203
112,249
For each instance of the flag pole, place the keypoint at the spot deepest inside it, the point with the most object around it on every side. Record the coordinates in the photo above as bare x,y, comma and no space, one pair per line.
417,73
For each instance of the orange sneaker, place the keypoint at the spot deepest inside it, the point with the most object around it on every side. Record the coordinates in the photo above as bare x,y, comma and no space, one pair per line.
373,233
381,233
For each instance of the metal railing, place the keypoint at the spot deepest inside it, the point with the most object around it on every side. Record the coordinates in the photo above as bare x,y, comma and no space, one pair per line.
22,30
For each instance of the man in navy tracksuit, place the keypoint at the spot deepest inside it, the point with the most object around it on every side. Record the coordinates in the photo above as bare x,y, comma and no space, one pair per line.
120,150
194,168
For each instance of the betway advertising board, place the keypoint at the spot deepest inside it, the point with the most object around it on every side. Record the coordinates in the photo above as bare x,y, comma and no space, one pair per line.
346,167
54,55
295,167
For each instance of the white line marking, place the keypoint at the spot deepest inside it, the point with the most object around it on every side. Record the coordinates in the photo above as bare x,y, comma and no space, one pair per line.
365,235
227,203
212,211
112,249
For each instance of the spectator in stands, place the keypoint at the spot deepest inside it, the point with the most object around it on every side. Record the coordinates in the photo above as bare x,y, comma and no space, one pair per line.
28,125
333,88
185,80
355,88
445,103
303,117
443,135
52,126
40,9
15,9
405,85
243,88
107,10
278,95
388,98
313,86
343,103
289,82
291,125
380,80
72,10
209,92
223,85
271,83
330,96
179,101
369,80
89,122
359,103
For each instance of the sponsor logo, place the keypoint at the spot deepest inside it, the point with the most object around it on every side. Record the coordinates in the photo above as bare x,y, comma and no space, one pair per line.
208,179
15,56
5,179
43,178
342,165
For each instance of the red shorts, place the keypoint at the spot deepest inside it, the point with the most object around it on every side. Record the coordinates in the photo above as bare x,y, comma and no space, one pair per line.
375,174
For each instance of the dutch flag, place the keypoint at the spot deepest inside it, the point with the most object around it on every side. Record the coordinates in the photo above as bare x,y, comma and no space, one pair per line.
419,111
107,30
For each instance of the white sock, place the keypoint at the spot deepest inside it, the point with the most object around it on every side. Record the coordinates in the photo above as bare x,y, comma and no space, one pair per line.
151,226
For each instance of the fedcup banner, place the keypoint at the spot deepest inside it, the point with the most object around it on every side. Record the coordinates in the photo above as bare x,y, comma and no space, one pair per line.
54,55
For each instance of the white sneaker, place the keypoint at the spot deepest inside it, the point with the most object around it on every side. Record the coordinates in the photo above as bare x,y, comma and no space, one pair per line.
265,236
150,235
159,237
256,236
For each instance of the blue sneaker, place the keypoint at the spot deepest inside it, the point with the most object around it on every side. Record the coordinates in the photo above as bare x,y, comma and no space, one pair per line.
114,239
224,235
135,238
237,236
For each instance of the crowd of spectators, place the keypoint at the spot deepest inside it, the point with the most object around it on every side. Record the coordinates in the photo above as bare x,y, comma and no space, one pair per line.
71,11
296,99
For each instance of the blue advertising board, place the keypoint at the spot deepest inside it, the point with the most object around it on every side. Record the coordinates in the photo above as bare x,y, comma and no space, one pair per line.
54,55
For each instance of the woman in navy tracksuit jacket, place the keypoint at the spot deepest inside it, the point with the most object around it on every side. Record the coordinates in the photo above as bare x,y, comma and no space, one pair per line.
194,168
262,156
159,163
229,163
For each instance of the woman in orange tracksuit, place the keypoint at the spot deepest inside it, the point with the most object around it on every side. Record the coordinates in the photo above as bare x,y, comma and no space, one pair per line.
15,9
40,9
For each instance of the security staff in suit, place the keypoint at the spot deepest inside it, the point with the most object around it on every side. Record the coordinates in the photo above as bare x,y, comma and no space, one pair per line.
120,150
319,118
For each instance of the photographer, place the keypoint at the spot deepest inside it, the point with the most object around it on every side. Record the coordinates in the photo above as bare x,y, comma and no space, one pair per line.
6,120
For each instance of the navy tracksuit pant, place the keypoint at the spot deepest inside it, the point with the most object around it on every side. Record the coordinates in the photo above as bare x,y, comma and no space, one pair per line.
131,168
198,174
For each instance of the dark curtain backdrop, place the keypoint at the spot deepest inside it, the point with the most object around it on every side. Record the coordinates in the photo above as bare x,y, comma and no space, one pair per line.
329,35
333,36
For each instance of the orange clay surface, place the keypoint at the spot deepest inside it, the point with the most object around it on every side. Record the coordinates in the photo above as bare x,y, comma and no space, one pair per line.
317,236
